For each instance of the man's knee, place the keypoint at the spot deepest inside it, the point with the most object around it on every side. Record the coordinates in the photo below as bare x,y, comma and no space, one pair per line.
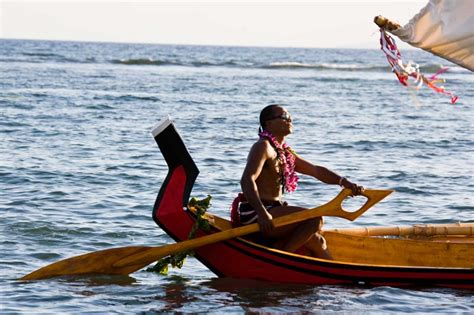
318,223
321,240
315,224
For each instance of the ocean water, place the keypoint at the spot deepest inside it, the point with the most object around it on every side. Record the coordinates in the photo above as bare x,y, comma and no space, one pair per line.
80,171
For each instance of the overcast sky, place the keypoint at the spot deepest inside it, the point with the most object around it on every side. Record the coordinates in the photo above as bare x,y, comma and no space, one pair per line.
346,24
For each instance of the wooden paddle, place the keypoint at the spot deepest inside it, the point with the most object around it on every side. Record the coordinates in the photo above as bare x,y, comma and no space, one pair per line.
125,260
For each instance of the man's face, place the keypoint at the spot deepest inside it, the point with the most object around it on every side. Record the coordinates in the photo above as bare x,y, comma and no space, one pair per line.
281,122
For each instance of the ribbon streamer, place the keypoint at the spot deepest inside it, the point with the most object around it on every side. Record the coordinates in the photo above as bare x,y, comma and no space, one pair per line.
410,70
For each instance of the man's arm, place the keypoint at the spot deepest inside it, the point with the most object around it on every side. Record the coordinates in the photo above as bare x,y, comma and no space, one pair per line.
259,153
325,175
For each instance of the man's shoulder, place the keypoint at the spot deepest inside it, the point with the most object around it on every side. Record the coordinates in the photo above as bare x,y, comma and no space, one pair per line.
262,143
263,146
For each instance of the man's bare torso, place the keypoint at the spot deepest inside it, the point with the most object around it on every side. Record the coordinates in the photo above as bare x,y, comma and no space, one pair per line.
269,180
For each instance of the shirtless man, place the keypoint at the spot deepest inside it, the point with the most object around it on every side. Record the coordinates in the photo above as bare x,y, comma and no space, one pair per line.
271,168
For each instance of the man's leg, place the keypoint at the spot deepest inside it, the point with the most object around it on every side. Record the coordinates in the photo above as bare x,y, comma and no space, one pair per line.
317,245
292,237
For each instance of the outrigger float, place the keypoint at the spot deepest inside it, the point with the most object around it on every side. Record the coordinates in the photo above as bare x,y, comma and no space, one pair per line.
379,256
432,257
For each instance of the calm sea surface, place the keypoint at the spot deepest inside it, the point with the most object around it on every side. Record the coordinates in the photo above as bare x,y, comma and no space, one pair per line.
80,171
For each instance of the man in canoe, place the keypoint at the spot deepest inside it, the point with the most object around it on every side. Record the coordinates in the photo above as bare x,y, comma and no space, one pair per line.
271,169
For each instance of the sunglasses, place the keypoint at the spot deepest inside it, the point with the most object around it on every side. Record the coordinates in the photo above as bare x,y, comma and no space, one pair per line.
285,116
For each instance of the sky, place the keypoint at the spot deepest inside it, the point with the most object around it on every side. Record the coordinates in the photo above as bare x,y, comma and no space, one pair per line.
324,24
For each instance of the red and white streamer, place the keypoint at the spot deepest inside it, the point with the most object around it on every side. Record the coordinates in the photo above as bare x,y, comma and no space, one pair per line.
410,70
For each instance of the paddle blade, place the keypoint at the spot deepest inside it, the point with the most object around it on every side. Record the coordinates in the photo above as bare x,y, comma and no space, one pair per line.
100,262
373,196
334,208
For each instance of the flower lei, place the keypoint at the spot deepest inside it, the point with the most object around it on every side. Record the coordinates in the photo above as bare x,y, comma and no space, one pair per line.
286,156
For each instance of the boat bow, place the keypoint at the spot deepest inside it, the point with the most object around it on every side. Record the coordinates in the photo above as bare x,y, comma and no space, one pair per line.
182,173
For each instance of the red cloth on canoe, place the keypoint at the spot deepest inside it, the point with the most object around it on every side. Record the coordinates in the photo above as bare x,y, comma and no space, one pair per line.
234,210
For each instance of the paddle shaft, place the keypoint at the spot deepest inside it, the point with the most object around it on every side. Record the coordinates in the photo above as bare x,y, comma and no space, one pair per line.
332,208
125,260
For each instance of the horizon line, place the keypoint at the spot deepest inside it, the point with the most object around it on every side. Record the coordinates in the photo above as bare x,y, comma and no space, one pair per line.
194,44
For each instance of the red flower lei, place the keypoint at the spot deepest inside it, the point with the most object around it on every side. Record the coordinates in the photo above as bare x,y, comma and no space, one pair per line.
286,156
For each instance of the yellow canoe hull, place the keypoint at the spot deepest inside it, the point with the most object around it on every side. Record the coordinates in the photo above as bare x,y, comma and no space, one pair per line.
442,252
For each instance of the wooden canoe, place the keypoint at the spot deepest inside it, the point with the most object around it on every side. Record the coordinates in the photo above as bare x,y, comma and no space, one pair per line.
358,259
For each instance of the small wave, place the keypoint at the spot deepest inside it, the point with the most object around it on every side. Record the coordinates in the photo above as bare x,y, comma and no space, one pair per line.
38,54
462,208
188,63
230,63
289,64
125,98
41,58
18,60
398,176
431,68
325,66
99,106
426,69
411,191
143,61
45,255
351,67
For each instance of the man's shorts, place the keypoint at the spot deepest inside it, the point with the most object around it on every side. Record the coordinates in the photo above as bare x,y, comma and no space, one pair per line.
248,215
